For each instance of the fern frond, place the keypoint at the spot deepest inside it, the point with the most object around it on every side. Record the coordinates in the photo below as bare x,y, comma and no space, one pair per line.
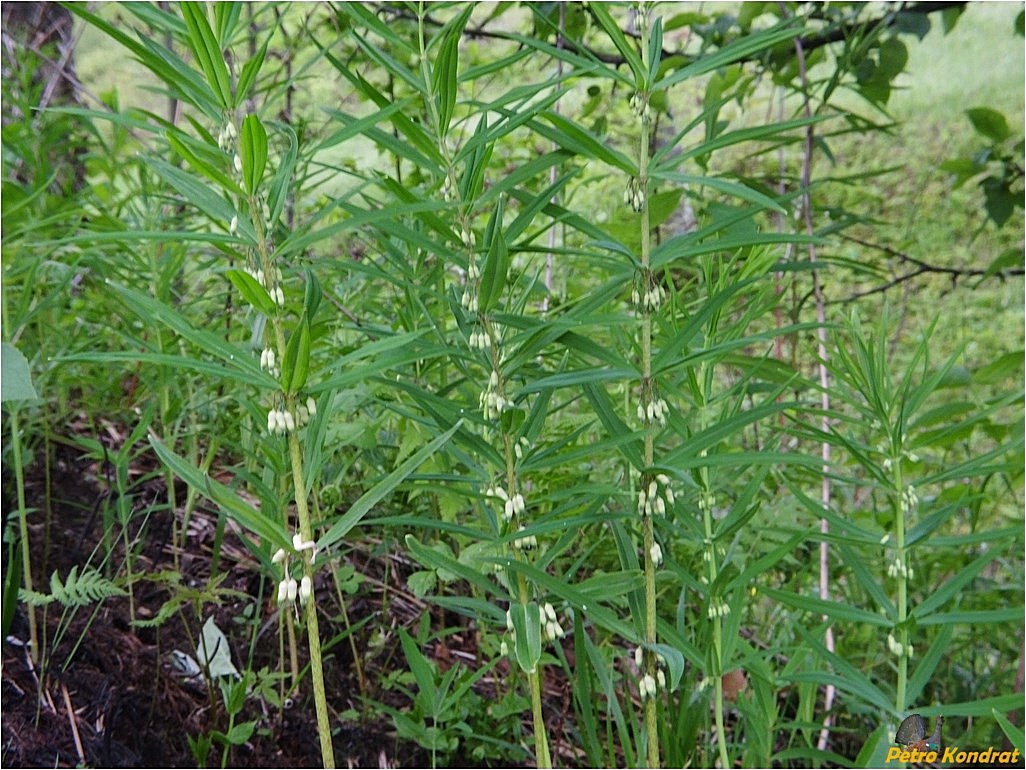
81,590
34,598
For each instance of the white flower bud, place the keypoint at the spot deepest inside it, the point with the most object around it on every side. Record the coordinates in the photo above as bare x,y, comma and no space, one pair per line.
508,510
279,556
656,553
660,506
639,654
283,591
290,421
647,687
292,590
661,679
519,506
311,406
233,227
279,296
237,162
503,648
550,612
509,621
305,589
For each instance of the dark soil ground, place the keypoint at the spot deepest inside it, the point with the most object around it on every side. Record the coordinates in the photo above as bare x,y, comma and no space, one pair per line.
108,695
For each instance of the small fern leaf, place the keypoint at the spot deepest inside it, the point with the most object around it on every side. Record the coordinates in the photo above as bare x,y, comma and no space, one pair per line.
81,590
34,598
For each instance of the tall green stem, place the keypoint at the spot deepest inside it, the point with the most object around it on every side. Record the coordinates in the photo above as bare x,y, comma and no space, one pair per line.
901,571
496,382
651,705
312,630
302,513
26,554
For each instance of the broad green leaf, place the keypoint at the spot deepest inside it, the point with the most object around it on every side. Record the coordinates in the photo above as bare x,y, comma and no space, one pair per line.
526,634
15,377
214,653
674,662
240,733
989,123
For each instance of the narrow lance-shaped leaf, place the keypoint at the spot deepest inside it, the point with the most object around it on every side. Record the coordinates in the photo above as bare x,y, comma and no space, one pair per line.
207,51
253,150
443,74
209,170
493,275
251,290
270,530
296,366
375,494
618,39
249,73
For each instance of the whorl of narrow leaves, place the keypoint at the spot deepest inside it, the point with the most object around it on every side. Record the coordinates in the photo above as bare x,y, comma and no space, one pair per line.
76,591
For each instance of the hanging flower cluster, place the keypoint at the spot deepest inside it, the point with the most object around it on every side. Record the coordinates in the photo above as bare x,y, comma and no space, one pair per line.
634,194
897,649
650,685
282,421
289,589
512,505
656,496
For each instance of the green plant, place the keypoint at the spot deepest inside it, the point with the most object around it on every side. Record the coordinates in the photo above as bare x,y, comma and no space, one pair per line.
440,717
